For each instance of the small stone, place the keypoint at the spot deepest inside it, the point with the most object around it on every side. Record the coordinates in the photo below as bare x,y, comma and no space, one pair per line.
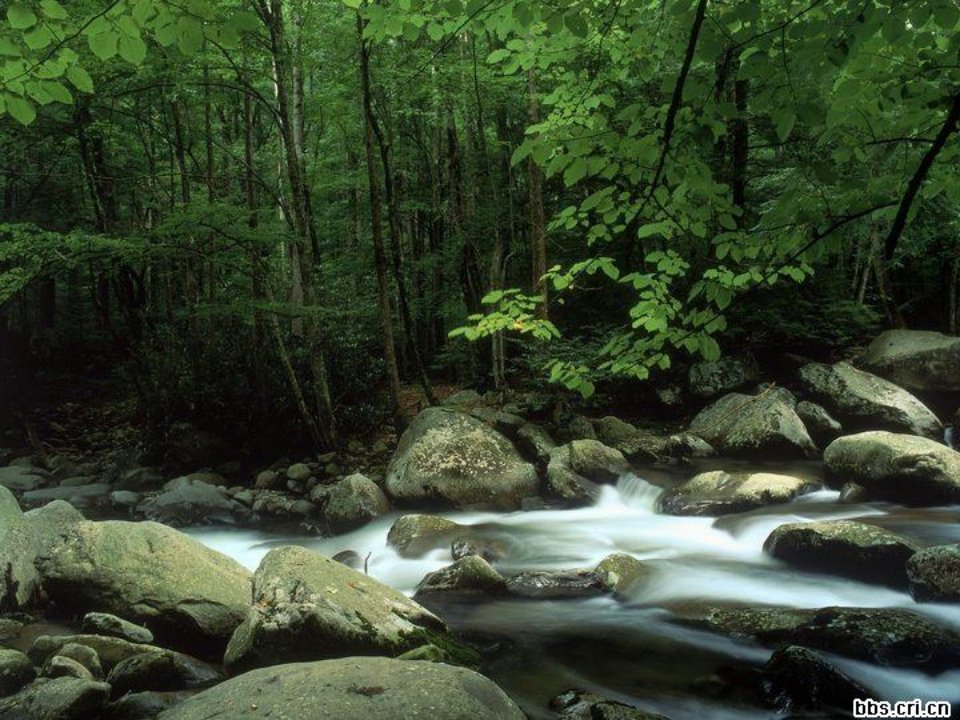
267,480
105,624
59,666
299,472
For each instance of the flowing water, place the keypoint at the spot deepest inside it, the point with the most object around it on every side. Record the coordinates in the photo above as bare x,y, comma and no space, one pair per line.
631,649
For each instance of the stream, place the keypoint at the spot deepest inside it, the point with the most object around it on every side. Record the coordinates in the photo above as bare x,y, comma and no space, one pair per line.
631,649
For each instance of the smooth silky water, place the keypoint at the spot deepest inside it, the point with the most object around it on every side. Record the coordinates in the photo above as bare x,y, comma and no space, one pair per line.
631,649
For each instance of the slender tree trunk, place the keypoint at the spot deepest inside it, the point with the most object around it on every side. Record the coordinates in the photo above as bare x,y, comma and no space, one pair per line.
379,253
538,220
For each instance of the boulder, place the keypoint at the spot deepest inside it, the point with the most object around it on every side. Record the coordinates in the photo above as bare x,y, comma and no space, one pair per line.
413,536
707,380
721,493
16,671
353,502
798,678
164,671
534,444
917,360
140,480
281,506
580,705
843,547
468,577
63,698
557,584
886,636
189,501
852,493
819,423
862,401
563,483
635,445
934,574
145,705
48,524
451,459
356,688
108,650
299,472
60,666
619,572
757,426
18,577
900,468
22,479
267,480
597,462
96,623
309,607
78,496
189,596
84,655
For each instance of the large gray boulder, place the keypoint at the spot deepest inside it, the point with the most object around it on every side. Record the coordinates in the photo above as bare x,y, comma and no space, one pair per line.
355,688
597,462
469,577
934,574
755,426
636,445
565,484
16,670
186,501
797,678
354,501
415,535
721,493
917,360
452,459
309,607
18,577
901,468
844,547
862,401
189,596
63,698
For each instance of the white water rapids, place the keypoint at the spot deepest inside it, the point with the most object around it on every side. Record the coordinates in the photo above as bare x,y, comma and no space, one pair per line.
630,650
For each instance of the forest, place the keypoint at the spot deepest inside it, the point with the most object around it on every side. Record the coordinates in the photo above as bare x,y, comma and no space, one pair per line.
479,359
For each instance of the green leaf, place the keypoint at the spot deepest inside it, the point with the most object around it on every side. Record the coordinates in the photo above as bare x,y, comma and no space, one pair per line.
576,24
9,48
189,35
80,79
21,109
58,92
784,120
38,38
104,44
21,17
133,50
53,10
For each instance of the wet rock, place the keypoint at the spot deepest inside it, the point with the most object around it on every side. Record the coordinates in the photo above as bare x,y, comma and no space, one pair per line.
820,424
563,483
109,650
489,549
843,547
267,480
634,444
281,506
534,444
708,380
619,572
96,623
16,671
797,678
934,574
189,596
63,698
350,558
550,585
81,496
299,472
597,462
125,499
22,478
852,493
468,577
185,501
48,524
917,360
144,705
579,705
862,401
308,607
18,577
84,655
357,688
721,493
885,636
59,666
163,671
353,502
900,468
413,536
755,426
452,459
